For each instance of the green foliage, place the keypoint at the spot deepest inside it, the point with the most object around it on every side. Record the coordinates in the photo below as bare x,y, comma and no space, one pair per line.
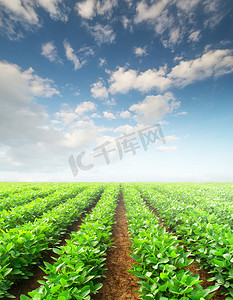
22,247
203,219
81,262
160,259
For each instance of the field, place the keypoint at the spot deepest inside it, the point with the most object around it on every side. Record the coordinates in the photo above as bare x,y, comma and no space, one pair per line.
116,241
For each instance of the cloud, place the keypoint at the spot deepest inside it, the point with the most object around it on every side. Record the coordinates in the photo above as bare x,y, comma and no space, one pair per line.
182,113
20,115
145,12
171,138
214,63
72,57
125,114
163,148
49,50
87,51
88,9
194,36
101,33
85,107
174,20
125,129
102,62
28,140
25,13
19,86
109,102
154,108
123,80
109,115
98,90
139,51
127,23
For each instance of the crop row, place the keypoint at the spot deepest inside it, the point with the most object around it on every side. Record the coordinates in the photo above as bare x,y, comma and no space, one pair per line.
211,243
29,211
215,204
160,259
25,196
74,274
22,247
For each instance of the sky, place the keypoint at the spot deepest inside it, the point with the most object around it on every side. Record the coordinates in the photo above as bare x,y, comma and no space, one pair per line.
116,90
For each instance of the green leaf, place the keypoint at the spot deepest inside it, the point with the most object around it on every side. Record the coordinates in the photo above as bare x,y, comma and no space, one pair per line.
173,254
23,297
55,288
85,291
9,246
218,262
63,282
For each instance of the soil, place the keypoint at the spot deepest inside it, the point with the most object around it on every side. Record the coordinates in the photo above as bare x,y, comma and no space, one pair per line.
118,283
27,285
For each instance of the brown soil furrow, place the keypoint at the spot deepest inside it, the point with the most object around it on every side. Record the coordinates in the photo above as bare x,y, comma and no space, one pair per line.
118,283
27,285
193,267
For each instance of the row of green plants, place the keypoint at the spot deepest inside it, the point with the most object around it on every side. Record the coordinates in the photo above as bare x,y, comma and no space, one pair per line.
214,201
34,209
210,242
7,189
25,196
23,246
160,260
80,264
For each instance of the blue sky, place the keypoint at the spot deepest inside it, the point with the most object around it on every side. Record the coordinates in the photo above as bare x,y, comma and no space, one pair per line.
77,74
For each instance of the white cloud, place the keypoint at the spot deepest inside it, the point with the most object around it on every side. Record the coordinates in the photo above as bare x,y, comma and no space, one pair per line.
67,117
139,51
171,138
24,13
127,23
109,115
174,20
85,107
212,63
110,102
20,115
95,115
87,51
125,129
163,148
102,62
72,57
194,36
182,113
154,108
101,33
21,86
88,9
49,50
98,90
145,12
125,114
123,80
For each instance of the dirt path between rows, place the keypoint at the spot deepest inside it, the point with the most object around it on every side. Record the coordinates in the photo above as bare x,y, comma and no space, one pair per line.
119,284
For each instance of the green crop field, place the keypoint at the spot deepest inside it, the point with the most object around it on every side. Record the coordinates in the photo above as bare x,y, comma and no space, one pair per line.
177,233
